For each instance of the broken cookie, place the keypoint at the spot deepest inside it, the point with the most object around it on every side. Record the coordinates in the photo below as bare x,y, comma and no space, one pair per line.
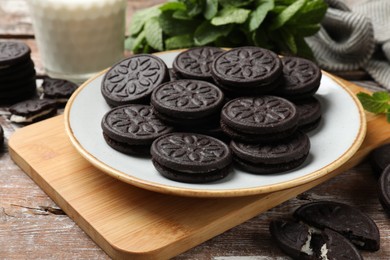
301,241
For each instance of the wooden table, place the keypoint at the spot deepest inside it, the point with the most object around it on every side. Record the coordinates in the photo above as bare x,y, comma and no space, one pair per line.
33,226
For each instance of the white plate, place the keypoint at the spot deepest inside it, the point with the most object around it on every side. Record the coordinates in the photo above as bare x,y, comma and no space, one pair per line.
338,137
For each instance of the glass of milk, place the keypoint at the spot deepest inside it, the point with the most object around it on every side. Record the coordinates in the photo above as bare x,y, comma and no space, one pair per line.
78,38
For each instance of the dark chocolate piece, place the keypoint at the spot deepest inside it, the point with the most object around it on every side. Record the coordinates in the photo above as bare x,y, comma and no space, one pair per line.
12,52
133,79
247,67
272,158
31,111
132,125
360,229
379,158
189,157
195,63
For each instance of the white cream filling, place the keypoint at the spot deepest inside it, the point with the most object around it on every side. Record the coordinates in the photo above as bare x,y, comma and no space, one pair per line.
23,119
324,252
306,247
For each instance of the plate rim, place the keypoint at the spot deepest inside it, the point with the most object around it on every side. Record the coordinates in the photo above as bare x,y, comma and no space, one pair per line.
212,193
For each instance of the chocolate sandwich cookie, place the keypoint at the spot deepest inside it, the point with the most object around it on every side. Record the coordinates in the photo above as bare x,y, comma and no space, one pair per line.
22,93
132,128
15,70
195,63
259,119
17,77
192,158
188,103
172,75
309,111
384,189
59,90
272,158
12,52
301,77
360,229
300,241
379,158
247,67
31,111
133,79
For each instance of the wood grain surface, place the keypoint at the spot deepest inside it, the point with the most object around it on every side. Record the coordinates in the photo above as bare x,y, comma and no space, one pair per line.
33,226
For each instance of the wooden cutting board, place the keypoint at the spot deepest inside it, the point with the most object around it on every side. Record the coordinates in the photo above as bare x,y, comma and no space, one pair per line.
129,222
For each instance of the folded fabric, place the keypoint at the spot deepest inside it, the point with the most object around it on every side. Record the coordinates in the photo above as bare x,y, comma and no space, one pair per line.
356,38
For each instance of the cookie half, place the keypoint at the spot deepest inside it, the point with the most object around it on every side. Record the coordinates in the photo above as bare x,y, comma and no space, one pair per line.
132,80
360,229
300,241
192,158
31,111
59,90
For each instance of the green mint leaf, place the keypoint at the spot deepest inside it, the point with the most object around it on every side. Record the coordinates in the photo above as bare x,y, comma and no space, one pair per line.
304,49
311,13
259,14
140,17
169,24
193,7
181,15
154,34
230,15
179,42
211,9
287,14
173,6
235,3
284,2
376,103
207,33
381,96
136,44
388,115
289,40
304,30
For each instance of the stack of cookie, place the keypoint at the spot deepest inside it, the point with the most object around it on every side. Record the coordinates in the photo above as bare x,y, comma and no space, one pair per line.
17,73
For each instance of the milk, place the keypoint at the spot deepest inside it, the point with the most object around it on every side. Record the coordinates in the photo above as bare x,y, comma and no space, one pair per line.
78,38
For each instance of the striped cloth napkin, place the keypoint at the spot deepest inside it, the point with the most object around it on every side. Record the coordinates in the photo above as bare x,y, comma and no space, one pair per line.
355,37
